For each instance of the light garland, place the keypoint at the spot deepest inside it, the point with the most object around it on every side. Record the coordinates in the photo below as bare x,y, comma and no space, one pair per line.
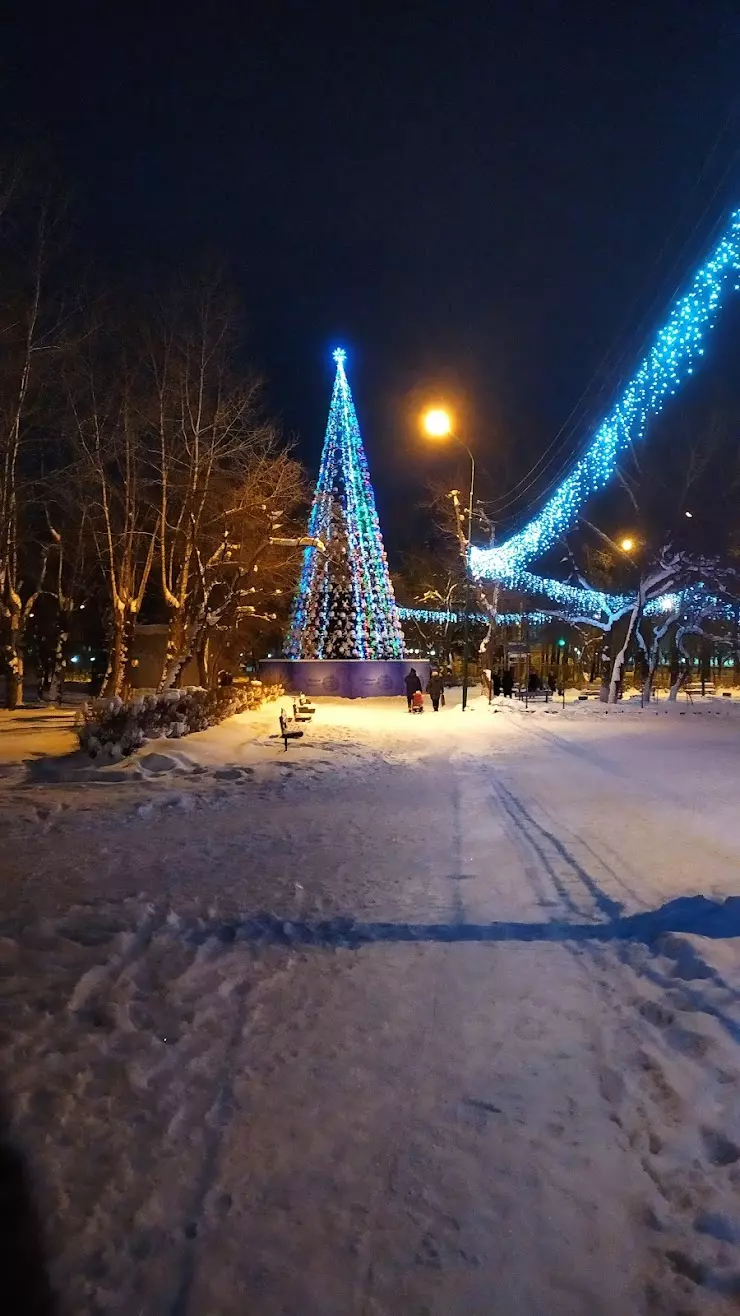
669,361
345,607
589,605
431,617
578,598
438,617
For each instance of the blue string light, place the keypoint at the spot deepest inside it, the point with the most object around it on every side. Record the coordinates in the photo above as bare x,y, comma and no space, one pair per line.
431,617
588,606
670,359
345,607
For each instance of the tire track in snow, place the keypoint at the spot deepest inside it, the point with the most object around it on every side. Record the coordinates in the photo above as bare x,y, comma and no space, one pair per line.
684,1204
571,880
547,737
651,1087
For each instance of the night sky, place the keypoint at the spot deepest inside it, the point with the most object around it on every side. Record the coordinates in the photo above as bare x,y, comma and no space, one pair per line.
491,202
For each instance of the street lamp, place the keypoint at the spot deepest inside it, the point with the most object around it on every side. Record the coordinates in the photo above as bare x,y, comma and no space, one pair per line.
627,544
437,424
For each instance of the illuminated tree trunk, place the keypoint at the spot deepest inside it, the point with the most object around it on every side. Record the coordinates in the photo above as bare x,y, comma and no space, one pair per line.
124,625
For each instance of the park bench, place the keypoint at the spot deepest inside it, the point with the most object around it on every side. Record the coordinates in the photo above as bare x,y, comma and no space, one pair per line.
521,693
303,711
285,729
694,688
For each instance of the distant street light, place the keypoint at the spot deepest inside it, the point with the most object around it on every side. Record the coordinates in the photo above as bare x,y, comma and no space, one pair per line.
438,425
690,515
627,544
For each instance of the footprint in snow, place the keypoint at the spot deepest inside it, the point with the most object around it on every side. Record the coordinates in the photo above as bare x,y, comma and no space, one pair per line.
719,1148
716,1225
657,1014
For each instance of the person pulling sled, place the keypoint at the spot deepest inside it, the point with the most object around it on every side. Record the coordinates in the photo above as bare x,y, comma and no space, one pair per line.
413,686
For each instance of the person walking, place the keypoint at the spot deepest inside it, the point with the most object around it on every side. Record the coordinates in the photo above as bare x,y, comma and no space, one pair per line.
412,683
435,689
507,683
496,684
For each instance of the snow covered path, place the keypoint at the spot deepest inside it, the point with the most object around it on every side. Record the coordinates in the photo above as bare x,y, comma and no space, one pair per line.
378,1036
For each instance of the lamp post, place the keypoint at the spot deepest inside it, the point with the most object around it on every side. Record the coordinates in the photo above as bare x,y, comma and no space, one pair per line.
438,425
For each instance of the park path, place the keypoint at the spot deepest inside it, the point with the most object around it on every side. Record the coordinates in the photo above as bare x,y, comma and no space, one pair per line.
434,1129
421,1088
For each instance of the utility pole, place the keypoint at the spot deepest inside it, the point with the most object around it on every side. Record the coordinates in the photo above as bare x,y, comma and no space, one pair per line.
466,563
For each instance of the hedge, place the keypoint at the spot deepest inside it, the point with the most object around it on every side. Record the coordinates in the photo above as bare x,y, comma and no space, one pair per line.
115,728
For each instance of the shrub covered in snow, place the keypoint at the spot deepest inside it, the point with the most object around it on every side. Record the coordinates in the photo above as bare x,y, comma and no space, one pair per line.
114,727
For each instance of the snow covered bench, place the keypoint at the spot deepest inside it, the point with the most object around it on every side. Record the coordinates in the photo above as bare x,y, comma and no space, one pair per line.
695,688
285,732
533,694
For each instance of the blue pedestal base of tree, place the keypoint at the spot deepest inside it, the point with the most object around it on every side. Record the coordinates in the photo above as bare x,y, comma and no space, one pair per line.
348,679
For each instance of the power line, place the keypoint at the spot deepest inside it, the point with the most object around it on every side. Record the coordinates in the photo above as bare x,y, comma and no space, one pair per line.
518,491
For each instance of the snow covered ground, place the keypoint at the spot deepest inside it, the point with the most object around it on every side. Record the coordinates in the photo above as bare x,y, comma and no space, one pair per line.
31,732
431,1014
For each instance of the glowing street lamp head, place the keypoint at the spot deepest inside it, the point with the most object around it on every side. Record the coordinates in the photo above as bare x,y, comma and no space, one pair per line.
339,355
627,544
437,423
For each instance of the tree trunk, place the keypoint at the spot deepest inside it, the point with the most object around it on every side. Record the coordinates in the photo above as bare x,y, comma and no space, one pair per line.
172,674
615,683
15,680
203,664
648,674
116,657
195,637
605,666
124,622
15,662
56,678
651,665
679,682
705,664
183,642
173,661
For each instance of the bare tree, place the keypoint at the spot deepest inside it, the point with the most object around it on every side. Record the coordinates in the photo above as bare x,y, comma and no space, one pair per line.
452,524
114,469
66,586
650,643
224,483
656,581
34,326
253,559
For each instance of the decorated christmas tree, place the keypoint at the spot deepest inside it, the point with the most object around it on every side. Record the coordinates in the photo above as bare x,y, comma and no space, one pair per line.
345,606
